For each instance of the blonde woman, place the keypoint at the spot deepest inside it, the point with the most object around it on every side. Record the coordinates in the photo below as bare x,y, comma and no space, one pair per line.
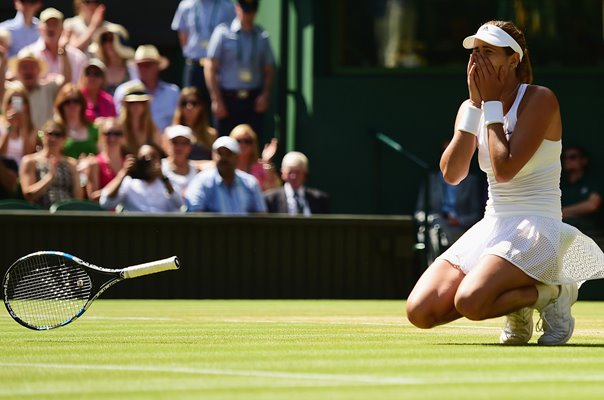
249,160
47,176
135,119
103,167
191,112
18,136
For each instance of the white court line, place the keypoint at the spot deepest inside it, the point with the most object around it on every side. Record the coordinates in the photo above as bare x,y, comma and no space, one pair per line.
534,377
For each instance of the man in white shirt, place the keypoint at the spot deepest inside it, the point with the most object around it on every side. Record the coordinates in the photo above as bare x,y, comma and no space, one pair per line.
48,48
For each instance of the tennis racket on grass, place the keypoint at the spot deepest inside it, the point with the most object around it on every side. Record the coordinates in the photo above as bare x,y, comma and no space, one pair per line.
49,289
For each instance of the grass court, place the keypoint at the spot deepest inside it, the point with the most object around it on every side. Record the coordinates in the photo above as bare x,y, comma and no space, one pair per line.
210,349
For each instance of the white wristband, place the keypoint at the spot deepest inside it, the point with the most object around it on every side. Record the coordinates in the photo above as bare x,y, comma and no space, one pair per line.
493,112
470,120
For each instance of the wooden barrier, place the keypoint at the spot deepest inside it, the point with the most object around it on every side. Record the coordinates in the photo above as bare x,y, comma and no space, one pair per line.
346,257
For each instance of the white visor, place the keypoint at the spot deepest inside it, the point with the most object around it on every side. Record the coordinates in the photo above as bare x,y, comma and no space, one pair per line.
495,36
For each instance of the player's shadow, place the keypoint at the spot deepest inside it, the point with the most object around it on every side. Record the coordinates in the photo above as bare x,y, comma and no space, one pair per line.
499,345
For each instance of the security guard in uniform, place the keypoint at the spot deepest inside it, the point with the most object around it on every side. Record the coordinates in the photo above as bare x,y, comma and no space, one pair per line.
239,72
195,20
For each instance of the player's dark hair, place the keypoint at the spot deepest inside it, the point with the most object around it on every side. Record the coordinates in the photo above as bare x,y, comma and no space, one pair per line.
524,71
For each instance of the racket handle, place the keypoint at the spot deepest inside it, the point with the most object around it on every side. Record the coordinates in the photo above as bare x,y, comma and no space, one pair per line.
151,267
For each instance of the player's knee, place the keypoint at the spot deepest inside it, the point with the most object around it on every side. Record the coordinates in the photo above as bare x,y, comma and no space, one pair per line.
470,306
419,315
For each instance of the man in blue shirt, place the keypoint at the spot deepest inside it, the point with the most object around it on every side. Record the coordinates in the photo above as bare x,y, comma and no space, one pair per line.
225,189
164,95
24,27
195,21
240,70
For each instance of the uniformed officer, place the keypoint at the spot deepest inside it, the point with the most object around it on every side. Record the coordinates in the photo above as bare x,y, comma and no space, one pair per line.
240,70
195,21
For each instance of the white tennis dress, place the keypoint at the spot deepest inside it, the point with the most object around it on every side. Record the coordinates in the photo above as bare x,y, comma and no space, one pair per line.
523,220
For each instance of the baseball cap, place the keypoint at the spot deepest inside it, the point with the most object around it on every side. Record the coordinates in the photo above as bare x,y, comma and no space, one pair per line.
227,142
175,131
51,13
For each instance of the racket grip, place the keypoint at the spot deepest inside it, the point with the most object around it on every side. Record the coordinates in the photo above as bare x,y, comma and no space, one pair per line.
151,267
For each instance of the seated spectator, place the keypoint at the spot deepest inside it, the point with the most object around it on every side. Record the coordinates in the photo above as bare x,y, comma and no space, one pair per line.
149,64
135,119
225,189
27,69
88,20
24,27
99,103
452,209
250,162
47,176
103,167
49,48
109,47
191,112
141,186
581,192
9,179
177,166
294,198
70,111
17,134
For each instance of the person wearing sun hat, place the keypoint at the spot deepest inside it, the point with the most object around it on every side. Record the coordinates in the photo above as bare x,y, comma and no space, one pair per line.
520,256
240,70
195,20
109,46
224,188
27,68
150,63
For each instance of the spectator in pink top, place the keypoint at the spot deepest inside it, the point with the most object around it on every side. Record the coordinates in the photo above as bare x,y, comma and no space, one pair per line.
99,103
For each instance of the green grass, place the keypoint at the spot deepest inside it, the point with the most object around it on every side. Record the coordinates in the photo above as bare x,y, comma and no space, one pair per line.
290,350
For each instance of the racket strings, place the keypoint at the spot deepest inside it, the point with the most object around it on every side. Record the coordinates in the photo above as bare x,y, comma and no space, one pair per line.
47,291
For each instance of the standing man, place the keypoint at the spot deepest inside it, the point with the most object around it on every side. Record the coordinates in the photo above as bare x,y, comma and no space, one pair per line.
294,198
50,48
240,70
195,21
225,189
164,95
24,27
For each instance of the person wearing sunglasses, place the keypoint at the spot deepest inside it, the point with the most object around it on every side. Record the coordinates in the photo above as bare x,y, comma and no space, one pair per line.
48,176
23,28
70,111
192,112
249,160
99,103
581,191
104,166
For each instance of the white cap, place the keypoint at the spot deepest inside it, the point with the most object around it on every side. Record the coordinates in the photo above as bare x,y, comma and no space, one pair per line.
175,131
495,36
51,13
228,142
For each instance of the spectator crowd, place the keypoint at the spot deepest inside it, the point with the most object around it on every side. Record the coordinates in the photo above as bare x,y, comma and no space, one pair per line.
87,117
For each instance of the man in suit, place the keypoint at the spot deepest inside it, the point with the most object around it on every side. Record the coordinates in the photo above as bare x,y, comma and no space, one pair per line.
294,198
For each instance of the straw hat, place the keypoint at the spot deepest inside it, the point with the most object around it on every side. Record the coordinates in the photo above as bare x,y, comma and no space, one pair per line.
149,53
120,36
26,54
135,92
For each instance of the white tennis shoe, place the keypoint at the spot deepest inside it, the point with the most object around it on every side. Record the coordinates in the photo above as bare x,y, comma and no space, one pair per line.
557,322
518,327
